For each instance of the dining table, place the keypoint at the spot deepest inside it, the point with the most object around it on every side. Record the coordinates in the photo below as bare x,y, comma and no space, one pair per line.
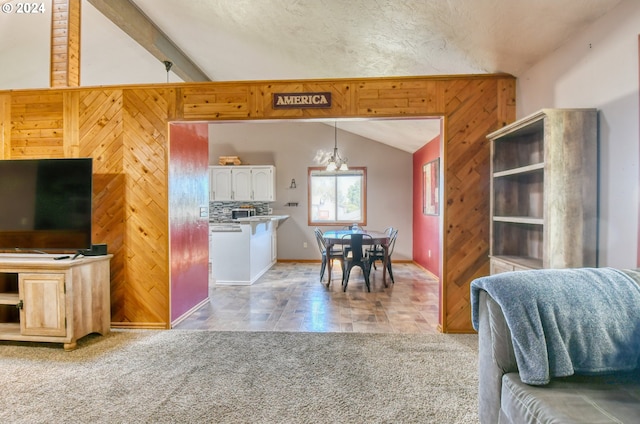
337,237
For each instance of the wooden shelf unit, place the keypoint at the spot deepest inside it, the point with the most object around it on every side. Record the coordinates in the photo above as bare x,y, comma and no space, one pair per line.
544,191
59,301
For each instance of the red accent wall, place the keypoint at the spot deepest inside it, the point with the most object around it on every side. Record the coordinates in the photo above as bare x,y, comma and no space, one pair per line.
426,228
188,231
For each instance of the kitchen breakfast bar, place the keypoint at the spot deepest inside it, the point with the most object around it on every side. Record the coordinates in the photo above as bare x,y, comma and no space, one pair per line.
240,251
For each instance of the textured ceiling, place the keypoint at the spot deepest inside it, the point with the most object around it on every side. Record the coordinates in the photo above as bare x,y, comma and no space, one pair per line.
288,39
298,39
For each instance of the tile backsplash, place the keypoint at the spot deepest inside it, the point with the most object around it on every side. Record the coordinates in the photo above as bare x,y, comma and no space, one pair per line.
221,211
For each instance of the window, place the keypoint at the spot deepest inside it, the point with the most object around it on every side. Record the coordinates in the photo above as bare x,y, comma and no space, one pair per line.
337,197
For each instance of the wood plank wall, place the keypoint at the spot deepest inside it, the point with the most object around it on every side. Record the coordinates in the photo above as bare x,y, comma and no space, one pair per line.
65,43
125,129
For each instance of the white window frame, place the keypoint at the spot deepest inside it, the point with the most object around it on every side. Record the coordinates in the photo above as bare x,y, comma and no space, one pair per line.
353,171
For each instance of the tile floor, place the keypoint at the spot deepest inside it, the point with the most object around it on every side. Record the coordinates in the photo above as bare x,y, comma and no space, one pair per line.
290,297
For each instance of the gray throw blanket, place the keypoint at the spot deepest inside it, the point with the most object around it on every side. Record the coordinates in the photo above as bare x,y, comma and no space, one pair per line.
566,321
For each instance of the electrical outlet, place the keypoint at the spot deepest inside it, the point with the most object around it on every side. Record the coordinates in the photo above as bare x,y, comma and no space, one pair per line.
304,244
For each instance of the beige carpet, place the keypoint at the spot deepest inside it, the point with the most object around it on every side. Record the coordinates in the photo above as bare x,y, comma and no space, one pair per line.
242,377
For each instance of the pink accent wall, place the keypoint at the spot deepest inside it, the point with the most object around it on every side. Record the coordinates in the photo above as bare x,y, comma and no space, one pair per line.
189,232
426,228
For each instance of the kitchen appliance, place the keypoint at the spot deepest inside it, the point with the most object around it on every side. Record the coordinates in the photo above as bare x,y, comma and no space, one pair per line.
243,213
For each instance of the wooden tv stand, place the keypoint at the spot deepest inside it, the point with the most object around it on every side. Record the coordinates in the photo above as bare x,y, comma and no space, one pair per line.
58,301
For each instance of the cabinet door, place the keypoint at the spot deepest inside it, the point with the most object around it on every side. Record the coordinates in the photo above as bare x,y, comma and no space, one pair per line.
220,183
43,304
263,183
242,184
498,267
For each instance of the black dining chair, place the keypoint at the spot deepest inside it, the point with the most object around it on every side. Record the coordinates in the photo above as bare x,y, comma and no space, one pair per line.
349,228
328,256
378,254
377,249
356,256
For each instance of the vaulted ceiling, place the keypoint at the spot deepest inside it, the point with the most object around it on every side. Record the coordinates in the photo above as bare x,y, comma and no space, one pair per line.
292,39
222,40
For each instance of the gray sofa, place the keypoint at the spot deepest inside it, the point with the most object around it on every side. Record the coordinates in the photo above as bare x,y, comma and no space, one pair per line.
576,396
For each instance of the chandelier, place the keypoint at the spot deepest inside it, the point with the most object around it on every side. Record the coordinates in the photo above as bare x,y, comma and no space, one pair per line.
336,162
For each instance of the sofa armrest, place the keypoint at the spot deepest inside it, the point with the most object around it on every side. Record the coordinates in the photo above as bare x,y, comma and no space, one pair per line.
496,357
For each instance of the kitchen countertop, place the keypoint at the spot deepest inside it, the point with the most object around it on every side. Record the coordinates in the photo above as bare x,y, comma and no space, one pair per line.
234,225
259,218
221,227
251,219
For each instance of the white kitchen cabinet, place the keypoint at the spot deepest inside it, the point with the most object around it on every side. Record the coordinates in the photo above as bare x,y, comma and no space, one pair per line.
263,182
241,253
242,183
220,183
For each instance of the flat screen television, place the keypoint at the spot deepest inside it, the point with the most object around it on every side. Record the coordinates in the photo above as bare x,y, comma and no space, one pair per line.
45,204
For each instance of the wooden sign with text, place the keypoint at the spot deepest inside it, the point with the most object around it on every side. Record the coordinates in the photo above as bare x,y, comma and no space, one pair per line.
311,100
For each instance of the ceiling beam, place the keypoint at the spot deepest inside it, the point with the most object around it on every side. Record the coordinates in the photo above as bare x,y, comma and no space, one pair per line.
64,70
128,17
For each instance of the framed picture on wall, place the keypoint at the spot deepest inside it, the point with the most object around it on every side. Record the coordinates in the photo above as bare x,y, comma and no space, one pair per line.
431,187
